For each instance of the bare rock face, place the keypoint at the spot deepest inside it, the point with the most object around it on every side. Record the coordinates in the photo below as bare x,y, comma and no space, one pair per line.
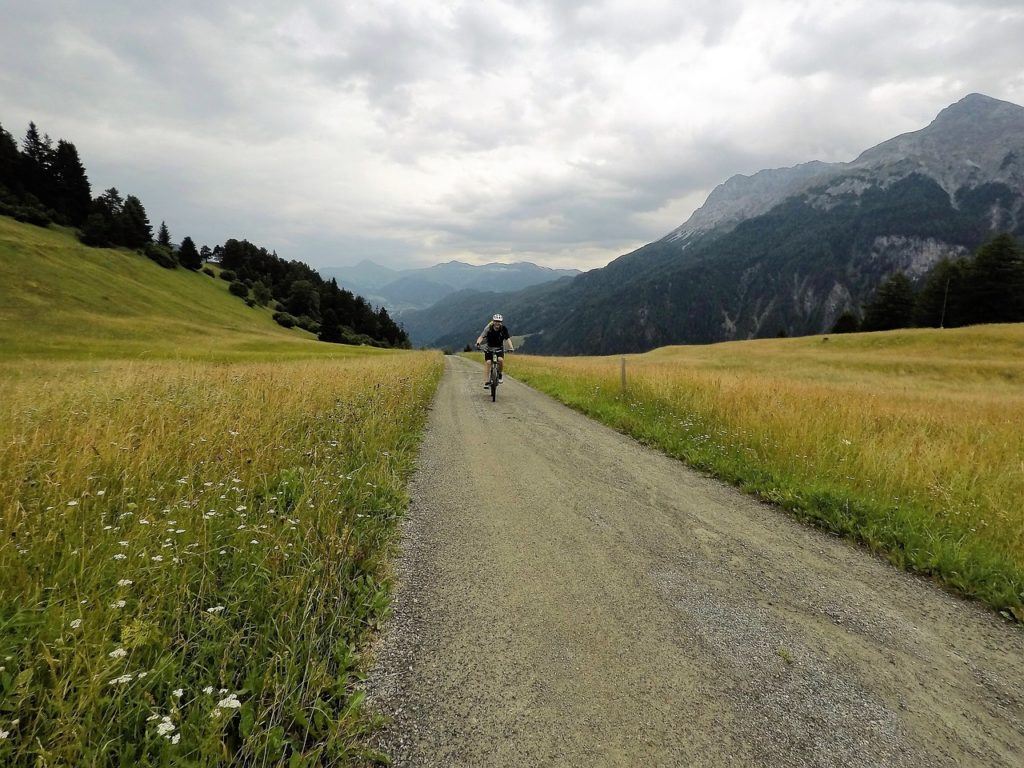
743,197
975,141
978,140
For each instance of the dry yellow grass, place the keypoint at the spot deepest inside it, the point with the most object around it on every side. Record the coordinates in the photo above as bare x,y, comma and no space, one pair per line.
193,553
920,434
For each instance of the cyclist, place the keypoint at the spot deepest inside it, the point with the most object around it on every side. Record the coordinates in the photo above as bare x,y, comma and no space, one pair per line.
496,334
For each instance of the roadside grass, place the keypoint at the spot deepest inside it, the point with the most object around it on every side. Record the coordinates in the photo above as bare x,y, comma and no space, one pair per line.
910,441
193,555
197,507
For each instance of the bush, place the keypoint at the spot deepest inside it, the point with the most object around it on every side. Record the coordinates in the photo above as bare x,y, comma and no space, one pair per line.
308,323
228,275
239,289
279,307
250,303
283,318
161,255
208,271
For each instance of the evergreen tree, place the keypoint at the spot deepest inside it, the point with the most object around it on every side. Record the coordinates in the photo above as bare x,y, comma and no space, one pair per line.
892,305
205,253
188,255
330,328
36,160
164,236
133,227
993,283
846,323
10,161
938,303
73,195
303,299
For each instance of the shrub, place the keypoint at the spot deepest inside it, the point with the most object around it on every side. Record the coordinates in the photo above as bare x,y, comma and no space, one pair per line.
208,271
161,255
238,288
283,318
228,275
308,323
250,303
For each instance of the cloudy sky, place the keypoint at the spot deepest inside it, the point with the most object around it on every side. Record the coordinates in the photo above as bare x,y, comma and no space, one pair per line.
410,132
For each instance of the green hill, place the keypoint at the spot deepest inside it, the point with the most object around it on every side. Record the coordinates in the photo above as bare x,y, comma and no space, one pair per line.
59,298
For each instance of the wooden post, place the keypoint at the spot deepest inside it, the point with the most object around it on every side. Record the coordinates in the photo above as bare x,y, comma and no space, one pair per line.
623,372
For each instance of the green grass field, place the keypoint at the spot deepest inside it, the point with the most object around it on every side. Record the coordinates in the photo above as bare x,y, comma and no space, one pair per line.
909,441
197,507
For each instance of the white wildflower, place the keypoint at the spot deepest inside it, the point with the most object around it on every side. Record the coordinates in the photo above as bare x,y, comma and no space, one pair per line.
208,690
73,503
76,623
4,735
118,604
122,679
120,556
215,609
229,702
101,493
125,583
165,727
157,558
175,738
178,692
118,653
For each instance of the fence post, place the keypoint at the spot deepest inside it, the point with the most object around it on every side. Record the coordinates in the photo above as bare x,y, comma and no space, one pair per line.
623,372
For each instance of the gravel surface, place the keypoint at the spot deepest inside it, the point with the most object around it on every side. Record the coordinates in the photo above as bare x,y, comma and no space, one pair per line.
568,597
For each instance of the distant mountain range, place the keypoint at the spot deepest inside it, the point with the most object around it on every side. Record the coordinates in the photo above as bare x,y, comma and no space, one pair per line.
785,249
402,290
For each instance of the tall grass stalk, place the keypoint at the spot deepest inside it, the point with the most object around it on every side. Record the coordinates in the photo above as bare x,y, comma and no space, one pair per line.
192,555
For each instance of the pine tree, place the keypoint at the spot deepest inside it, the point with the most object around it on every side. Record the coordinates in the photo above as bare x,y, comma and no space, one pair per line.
938,303
188,256
164,236
133,224
73,195
36,160
892,305
10,161
993,283
846,323
330,329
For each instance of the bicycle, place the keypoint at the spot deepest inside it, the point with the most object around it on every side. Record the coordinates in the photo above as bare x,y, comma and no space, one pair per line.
494,380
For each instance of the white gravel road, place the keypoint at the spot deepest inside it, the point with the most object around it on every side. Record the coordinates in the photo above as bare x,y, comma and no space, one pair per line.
568,597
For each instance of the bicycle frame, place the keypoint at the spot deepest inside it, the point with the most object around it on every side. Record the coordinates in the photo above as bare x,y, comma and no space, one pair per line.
495,370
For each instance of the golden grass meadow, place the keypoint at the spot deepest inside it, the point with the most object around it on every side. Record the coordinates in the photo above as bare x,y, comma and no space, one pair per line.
910,441
197,510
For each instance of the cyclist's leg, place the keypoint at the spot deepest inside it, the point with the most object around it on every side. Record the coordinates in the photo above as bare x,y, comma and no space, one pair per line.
501,364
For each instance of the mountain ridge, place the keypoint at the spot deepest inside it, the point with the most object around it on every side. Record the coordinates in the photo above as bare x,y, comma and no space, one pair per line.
790,249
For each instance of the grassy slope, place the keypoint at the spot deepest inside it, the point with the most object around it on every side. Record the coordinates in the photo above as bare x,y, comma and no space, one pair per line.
60,298
163,445
909,441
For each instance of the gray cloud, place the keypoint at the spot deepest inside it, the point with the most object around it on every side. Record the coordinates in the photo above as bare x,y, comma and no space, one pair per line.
417,131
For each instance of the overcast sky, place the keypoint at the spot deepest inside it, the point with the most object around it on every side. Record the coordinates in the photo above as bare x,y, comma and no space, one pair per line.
414,132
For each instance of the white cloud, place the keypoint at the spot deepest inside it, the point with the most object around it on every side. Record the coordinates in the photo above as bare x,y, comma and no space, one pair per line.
561,132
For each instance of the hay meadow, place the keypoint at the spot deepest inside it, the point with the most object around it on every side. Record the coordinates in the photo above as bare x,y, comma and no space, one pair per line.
911,442
197,509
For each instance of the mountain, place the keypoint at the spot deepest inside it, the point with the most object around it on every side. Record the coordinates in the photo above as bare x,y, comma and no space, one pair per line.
786,249
402,290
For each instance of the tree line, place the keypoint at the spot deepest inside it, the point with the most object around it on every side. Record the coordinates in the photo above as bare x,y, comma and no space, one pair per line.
987,287
43,183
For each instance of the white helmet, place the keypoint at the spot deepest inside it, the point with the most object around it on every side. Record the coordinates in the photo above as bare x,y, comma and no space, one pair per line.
497,318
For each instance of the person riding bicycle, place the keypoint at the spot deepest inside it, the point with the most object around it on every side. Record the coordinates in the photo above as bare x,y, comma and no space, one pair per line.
496,334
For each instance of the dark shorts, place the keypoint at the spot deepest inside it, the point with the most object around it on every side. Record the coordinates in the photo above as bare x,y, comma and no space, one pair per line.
487,355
